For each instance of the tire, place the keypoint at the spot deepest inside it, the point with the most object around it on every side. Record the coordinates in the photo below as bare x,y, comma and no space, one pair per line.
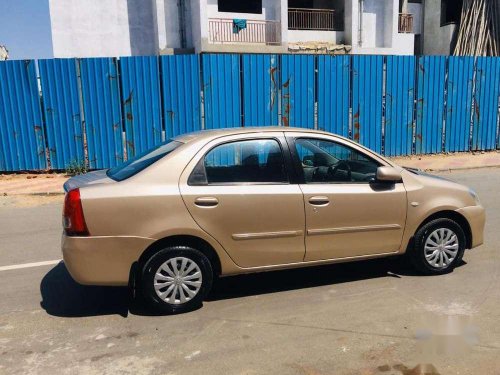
438,247
176,296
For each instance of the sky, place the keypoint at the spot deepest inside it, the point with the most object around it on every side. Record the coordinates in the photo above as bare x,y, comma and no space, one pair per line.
25,28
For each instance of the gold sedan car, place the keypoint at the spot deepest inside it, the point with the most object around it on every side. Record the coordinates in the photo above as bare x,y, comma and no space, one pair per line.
231,201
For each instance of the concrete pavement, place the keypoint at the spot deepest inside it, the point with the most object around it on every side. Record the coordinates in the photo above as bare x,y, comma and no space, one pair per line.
21,184
372,318
446,162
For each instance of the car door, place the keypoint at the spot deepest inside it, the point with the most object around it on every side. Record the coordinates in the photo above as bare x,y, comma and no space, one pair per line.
238,190
348,214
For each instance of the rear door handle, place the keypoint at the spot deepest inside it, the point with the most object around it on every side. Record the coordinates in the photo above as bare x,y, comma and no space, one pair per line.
206,202
319,201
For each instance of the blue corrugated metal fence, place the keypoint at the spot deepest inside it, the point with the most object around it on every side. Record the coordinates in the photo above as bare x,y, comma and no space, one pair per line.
21,128
102,111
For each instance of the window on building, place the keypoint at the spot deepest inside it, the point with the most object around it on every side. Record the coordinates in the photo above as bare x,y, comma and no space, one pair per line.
451,11
238,6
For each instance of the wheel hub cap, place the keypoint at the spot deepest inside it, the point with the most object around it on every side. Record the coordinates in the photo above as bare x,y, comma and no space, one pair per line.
178,280
441,248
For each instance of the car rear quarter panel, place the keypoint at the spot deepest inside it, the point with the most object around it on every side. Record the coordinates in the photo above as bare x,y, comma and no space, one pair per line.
141,210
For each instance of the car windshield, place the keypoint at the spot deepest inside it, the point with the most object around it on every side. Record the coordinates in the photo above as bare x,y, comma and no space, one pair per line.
141,161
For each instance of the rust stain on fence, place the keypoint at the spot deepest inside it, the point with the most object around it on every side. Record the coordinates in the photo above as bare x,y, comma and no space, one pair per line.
356,126
272,72
131,145
286,103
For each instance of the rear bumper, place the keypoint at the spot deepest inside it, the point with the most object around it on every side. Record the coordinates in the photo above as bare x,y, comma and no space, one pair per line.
102,260
476,216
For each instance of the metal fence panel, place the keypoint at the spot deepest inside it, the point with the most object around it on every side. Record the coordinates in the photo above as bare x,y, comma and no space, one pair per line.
333,94
486,102
367,101
61,106
101,106
141,103
21,132
400,95
260,90
181,94
221,91
459,103
431,72
297,90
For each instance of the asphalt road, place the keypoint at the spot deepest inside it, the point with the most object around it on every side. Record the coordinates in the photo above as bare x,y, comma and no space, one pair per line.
372,317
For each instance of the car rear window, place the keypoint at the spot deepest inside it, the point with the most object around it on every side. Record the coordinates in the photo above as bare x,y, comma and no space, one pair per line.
142,161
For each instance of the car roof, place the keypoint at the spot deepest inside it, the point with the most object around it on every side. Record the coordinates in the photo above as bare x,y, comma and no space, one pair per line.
215,133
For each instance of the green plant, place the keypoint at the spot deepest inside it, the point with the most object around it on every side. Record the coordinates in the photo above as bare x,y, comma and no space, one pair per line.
76,167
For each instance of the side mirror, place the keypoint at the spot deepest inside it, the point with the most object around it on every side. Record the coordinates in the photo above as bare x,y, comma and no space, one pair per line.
388,174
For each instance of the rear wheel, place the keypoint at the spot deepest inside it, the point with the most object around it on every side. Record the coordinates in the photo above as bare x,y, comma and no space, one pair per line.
438,247
176,279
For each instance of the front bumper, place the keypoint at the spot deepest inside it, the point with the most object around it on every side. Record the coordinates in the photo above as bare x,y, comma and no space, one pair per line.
102,260
476,216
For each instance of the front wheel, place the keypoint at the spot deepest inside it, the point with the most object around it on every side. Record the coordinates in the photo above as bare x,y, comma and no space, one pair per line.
438,247
176,279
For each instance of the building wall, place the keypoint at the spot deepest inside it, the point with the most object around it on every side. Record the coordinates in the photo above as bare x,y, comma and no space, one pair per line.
336,37
375,23
169,25
148,27
379,31
416,10
202,10
437,38
103,28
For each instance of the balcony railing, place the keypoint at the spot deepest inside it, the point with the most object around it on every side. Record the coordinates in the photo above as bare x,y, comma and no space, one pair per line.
405,23
315,19
221,31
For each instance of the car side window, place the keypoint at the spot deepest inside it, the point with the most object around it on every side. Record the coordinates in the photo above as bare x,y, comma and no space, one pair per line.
249,161
326,161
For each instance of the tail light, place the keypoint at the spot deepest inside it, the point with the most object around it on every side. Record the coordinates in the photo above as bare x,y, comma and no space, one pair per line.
73,219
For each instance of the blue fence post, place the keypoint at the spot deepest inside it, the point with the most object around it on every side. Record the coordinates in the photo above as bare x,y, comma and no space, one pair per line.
181,94
22,142
101,106
221,91
400,95
297,90
459,103
260,90
486,102
333,94
62,111
140,85
431,72
367,101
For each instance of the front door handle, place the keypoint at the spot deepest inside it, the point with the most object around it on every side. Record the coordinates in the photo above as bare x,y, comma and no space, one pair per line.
319,201
206,202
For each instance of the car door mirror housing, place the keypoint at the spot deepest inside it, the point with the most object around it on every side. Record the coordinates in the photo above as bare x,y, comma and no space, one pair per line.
388,174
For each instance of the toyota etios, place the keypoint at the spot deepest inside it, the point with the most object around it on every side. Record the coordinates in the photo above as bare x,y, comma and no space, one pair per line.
224,202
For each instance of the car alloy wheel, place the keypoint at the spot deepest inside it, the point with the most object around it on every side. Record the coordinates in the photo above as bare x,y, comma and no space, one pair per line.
441,248
178,280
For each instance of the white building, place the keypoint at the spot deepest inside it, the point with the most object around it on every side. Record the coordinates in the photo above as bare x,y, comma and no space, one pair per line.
147,27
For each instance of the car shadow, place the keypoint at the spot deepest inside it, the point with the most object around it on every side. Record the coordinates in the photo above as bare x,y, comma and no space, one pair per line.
301,278
63,297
